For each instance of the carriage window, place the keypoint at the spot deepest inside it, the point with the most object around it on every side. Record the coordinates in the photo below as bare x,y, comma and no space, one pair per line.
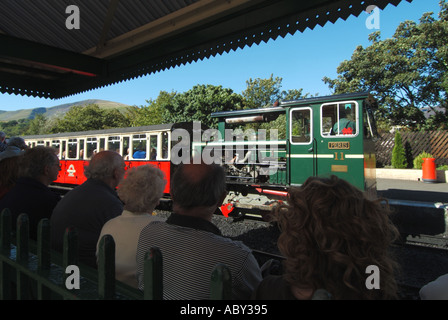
102,145
72,149
64,149
153,147
113,143
56,145
81,149
41,143
165,146
126,148
92,147
300,129
139,145
339,119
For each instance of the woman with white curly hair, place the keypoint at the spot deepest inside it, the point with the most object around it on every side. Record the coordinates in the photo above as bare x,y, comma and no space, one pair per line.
140,191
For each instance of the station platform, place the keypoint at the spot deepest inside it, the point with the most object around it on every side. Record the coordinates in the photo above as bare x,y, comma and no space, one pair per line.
412,190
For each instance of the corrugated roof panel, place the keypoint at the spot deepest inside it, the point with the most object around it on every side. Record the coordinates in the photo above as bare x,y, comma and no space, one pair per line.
41,68
43,21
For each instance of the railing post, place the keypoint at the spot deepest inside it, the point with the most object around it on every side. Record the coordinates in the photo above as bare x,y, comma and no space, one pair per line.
44,256
153,275
23,226
5,229
5,247
69,250
221,283
43,245
70,247
106,267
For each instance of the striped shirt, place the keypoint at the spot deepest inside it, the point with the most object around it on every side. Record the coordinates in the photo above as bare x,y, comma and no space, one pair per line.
189,255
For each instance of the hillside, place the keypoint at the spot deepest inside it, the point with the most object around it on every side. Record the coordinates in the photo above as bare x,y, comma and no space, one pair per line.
58,110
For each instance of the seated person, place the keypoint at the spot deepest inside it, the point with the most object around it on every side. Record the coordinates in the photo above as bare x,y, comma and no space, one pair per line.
90,205
140,192
330,234
31,194
191,245
153,154
14,147
435,290
139,154
345,124
9,173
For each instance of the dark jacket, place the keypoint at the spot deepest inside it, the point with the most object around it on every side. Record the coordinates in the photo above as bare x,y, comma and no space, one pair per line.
87,208
33,198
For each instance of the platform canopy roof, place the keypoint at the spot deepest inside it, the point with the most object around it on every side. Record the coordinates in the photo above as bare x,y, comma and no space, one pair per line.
118,40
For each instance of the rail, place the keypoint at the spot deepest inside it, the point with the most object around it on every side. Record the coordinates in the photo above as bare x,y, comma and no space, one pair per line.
32,270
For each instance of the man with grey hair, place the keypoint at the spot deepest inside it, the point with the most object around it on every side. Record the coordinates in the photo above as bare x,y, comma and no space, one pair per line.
89,206
191,245
2,141
14,147
31,194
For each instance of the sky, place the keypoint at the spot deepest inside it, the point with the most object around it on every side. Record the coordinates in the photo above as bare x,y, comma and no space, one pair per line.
301,60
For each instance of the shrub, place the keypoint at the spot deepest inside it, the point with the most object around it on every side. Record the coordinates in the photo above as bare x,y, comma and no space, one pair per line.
418,161
398,153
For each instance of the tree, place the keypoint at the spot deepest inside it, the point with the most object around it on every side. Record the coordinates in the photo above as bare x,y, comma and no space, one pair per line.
38,125
198,103
152,113
90,117
405,72
398,153
262,92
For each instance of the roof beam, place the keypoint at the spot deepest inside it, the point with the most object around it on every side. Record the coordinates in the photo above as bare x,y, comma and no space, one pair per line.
167,25
50,57
107,24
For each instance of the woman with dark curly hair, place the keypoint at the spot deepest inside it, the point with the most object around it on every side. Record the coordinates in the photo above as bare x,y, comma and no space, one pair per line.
330,234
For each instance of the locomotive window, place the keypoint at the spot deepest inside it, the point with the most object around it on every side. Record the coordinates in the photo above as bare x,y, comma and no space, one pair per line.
339,119
92,147
300,127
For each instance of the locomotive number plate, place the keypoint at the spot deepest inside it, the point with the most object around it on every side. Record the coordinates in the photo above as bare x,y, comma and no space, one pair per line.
341,145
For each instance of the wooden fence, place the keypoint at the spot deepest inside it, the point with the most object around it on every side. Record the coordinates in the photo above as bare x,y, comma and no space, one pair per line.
33,271
433,142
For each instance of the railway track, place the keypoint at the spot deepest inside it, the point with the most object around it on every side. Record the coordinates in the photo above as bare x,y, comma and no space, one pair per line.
439,242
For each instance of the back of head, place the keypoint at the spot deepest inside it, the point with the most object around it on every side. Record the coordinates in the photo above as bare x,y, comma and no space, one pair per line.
34,161
331,233
17,142
142,188
198,185
103,165
9,169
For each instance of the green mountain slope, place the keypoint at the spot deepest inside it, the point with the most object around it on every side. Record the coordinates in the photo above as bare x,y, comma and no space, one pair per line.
56,111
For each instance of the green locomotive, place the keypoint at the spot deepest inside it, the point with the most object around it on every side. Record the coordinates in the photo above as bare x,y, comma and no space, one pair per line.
269,149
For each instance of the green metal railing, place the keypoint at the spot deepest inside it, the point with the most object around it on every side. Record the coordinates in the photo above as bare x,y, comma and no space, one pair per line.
30,270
